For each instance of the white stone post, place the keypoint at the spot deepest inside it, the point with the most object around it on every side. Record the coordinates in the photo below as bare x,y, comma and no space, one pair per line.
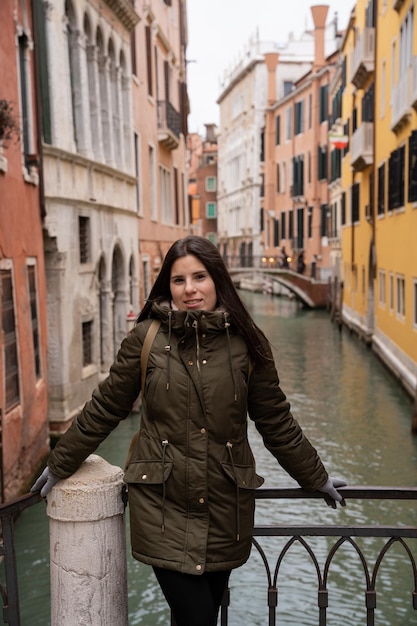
88,547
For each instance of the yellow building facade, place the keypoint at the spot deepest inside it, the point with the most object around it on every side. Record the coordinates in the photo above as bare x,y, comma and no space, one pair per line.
379,177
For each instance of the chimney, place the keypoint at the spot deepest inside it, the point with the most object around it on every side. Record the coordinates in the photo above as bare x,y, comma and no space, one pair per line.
319,13
271,61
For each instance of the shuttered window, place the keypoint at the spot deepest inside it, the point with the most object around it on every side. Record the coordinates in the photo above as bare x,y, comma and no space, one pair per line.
11,363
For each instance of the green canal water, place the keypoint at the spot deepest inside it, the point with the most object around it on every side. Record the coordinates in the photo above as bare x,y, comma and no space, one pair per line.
358,417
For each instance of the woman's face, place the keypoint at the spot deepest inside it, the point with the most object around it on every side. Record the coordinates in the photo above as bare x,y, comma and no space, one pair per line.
192,287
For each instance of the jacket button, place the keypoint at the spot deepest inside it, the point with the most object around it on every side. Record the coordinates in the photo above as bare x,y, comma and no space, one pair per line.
198,568
203,431
190,363
201,500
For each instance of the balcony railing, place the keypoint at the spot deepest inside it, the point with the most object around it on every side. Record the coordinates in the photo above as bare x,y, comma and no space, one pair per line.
169,125
362,58
362,146
338,536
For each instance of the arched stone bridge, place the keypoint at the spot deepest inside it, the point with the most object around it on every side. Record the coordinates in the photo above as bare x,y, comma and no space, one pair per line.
313,293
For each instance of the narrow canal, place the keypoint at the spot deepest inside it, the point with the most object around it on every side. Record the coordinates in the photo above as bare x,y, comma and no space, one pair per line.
358,418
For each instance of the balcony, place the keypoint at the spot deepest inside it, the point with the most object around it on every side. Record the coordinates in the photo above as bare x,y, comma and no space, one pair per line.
362,152
363,58
402,98
169,125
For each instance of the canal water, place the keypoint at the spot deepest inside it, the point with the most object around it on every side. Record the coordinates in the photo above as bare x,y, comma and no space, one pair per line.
358,417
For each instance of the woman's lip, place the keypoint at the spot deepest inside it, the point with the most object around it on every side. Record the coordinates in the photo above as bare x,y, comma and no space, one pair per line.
192,302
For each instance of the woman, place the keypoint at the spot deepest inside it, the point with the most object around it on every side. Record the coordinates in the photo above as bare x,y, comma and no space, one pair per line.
191,476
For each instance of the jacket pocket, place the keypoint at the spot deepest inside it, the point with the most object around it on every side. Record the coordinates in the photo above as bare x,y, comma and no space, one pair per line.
243,475
148,472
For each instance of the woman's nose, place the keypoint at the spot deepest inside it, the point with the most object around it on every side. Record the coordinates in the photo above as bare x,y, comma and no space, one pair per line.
189,285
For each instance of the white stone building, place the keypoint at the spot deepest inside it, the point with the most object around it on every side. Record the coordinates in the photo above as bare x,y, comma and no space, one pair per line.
90,204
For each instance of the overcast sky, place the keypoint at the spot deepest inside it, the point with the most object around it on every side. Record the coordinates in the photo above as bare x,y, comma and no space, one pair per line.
219,30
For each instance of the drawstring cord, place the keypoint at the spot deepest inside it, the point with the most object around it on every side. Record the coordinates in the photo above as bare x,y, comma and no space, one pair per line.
168,349
164,446
197,343
226,325
229,447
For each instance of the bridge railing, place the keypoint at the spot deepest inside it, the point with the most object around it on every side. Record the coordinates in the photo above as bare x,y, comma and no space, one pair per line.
299,535
311,270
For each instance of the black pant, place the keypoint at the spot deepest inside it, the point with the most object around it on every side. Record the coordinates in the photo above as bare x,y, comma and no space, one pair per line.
194,600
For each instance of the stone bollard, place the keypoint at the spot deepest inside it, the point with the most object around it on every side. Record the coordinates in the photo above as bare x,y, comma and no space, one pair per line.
88,547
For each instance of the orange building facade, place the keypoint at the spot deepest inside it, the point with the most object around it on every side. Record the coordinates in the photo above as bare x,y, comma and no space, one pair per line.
23,393
296,213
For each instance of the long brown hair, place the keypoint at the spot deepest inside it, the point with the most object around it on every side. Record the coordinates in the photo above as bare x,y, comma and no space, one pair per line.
227,296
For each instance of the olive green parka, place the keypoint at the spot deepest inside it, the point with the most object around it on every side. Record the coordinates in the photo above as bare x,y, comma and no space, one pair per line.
191,477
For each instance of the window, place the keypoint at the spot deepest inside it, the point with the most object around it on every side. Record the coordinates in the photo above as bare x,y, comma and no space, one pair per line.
11,363
391,292
211,210
25,98
288,123
165,195
400,285
412,167
33,298
152,183
176,195
288,87
262,155
298,176
355,199
299,117
277,130
323,220
382,292
322,162
368,105
149,59
211,183
84,238
323,108
381,189
283,225
87,340
396,171
343,209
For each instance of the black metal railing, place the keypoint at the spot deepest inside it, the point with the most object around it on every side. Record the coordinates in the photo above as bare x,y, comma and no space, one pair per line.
9,591
168,117
396,534
342,535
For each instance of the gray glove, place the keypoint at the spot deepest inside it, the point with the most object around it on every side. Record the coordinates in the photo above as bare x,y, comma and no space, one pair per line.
45,482
332,496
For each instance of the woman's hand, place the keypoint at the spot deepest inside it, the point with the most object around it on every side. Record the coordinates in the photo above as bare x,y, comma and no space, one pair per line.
332,496
45,482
